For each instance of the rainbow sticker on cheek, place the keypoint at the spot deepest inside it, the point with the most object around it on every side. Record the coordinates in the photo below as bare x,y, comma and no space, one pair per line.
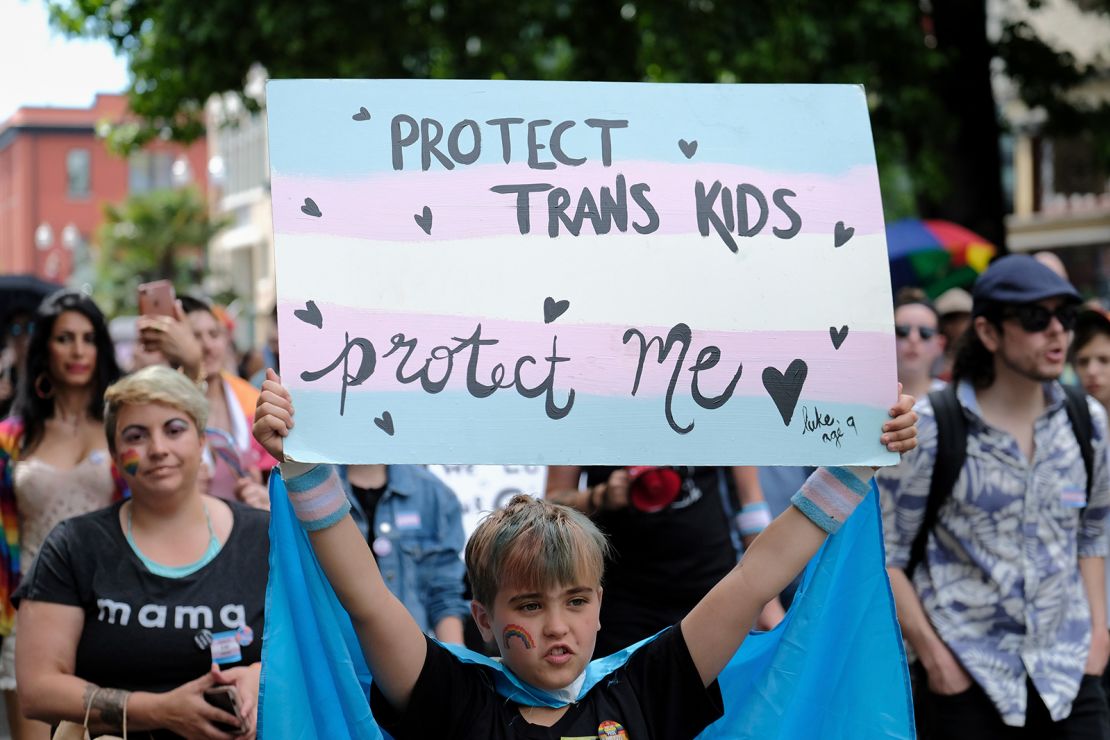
515,630
130,459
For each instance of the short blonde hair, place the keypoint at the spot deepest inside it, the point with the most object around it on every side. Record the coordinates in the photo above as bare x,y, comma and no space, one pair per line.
154,384
534,543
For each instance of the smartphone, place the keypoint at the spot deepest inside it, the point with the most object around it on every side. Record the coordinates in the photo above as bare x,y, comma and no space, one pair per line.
157,298
227,699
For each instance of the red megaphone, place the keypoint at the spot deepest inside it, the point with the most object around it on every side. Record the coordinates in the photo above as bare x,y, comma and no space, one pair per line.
651,488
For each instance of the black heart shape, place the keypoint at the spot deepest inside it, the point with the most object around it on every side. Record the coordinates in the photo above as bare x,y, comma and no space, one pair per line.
553,309
838,337
385,423
424,220
310,208
310,314
843,234
785,389
688,147
362,115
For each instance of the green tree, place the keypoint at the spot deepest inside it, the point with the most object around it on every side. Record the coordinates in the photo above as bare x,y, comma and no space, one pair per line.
927,72
154,236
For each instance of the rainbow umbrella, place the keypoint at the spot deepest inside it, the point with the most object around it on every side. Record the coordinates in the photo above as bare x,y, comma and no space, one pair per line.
935,255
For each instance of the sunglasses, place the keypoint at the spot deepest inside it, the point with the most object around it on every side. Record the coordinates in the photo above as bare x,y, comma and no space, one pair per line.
903,331
1034,317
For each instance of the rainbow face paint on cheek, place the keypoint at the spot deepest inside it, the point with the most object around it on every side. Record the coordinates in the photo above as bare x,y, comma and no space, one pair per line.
129,458
515,630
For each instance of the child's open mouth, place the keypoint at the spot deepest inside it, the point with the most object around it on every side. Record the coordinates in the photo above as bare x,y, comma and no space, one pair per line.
558,655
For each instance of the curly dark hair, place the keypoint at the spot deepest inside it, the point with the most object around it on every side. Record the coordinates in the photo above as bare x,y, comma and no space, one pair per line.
29,406
973,361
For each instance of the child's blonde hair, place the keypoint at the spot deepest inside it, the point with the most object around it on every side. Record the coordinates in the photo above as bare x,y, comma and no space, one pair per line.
154,384
535,543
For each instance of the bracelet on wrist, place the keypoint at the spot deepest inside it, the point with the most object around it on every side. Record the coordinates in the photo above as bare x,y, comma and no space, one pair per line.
830,495
318,498
753,518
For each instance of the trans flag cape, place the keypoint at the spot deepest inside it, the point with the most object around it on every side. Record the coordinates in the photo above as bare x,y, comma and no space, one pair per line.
833,669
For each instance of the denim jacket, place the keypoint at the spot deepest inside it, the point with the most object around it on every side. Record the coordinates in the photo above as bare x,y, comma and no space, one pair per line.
420,519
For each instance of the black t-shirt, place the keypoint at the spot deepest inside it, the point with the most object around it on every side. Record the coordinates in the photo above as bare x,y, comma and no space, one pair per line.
663,562
145,632
656,694
368,499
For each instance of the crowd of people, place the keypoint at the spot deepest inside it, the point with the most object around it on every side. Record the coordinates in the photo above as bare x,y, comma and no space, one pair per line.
134,508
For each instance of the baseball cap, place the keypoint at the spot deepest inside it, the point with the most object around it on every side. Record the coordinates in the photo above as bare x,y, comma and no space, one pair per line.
1018,278
953,300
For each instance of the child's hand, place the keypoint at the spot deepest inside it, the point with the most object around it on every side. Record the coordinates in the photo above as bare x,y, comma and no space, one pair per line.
273,415
900,433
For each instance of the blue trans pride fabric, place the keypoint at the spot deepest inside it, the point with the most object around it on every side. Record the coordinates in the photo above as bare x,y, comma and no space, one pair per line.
833,669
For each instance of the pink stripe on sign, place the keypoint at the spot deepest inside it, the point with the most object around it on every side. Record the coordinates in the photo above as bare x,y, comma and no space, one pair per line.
383,206
599,362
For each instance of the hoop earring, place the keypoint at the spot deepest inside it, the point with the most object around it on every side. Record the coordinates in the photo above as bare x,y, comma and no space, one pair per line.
44,394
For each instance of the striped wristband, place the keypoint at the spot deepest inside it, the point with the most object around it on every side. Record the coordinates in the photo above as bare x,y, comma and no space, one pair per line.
753,518
830,495
318,498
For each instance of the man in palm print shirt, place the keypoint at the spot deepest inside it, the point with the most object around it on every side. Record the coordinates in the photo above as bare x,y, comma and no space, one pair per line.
1007,610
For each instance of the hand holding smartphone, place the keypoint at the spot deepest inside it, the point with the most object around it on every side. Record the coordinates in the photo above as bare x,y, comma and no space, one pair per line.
227,699
157,298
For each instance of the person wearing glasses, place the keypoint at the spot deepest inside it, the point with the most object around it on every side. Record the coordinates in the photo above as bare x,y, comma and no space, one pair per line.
920,344
1006,609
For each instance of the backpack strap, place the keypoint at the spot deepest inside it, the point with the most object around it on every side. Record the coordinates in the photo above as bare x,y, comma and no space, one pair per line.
1079,414
951,452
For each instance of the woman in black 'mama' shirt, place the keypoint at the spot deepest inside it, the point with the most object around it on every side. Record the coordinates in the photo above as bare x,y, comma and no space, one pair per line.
128,608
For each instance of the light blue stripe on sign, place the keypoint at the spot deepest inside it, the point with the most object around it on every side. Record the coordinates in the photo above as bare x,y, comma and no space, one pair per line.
444,428
821,129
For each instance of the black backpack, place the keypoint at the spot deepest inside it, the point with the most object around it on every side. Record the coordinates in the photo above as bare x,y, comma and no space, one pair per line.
952,451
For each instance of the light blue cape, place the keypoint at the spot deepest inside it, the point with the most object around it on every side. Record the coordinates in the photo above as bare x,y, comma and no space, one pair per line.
833,669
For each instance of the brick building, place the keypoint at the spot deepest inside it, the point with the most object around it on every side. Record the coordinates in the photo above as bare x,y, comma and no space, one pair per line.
56,174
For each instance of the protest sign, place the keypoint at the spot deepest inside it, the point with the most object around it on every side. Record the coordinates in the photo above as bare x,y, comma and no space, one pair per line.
582,273
485,488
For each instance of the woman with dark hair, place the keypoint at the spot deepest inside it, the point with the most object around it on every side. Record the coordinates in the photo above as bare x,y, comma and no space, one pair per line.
54,461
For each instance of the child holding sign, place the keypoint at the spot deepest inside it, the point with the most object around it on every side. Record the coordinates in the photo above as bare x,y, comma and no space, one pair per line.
536,570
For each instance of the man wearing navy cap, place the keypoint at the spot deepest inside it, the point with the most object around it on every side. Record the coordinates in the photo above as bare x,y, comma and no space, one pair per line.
1006,610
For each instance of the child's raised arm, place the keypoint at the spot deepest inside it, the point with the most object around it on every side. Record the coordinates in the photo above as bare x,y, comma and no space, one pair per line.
714,629
391,640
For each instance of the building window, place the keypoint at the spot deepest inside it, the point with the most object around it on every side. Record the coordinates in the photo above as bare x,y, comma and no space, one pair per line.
77,173
147,171
242,145
1076,167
